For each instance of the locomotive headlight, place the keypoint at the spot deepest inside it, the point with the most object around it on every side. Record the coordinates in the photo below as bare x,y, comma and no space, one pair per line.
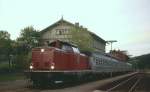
52,67
31,67
42,50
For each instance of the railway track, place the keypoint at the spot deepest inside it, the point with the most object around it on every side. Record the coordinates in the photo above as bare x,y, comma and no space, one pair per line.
135,83
131,83
26,86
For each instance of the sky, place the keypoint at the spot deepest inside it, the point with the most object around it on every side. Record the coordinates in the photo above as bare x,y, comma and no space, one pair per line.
126,21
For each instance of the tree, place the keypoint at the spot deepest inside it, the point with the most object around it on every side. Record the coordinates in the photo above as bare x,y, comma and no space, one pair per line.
5,48
82,38
4,35
141,62
29,38
5,43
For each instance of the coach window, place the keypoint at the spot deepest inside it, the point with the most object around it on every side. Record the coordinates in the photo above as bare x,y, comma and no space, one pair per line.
100,60
94,59
103,60
97,61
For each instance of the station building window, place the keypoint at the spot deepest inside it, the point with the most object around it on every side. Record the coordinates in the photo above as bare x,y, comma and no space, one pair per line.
61,31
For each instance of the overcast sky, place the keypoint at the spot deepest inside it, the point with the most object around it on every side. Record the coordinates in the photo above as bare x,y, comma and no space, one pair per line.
126,21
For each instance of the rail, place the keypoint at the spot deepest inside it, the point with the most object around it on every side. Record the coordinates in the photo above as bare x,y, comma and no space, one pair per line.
135,83
133,87
109,90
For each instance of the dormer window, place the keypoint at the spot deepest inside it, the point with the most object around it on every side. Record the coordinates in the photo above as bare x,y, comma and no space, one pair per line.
58,32
61,31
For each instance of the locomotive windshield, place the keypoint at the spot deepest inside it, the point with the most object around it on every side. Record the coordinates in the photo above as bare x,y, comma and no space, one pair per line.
76,50
70,48
67,48
64,46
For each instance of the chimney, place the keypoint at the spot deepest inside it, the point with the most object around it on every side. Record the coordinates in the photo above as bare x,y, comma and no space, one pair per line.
81,26
85,29
77,24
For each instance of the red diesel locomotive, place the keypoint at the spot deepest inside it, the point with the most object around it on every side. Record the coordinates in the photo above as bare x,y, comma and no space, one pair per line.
61,61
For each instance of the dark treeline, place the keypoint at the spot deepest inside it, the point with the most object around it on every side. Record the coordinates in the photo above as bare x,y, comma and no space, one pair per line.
141,62
15,55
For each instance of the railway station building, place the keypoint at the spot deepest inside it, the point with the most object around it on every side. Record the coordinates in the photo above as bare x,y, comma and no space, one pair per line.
61,30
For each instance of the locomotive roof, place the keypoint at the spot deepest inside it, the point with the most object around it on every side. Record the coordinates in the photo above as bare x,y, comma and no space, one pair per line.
63,42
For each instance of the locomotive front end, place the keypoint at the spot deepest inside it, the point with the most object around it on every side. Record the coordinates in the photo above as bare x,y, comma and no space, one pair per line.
60,61
42,59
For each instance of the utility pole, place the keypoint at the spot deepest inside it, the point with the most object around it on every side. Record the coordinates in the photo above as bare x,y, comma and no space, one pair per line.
111,42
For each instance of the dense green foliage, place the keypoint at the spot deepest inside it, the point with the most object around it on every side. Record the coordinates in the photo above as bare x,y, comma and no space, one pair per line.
5,49
82,38
4,35
17,54
28,39
5,43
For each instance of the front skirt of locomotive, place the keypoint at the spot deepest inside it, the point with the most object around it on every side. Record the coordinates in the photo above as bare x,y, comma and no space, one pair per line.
42,78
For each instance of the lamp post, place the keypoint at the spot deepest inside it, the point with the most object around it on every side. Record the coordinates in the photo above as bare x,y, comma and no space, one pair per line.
111,42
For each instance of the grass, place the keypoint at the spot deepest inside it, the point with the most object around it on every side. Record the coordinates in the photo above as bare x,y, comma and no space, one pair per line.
11,77
4,65
5,75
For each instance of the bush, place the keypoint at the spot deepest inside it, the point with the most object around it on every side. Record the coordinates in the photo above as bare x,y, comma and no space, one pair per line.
22,61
